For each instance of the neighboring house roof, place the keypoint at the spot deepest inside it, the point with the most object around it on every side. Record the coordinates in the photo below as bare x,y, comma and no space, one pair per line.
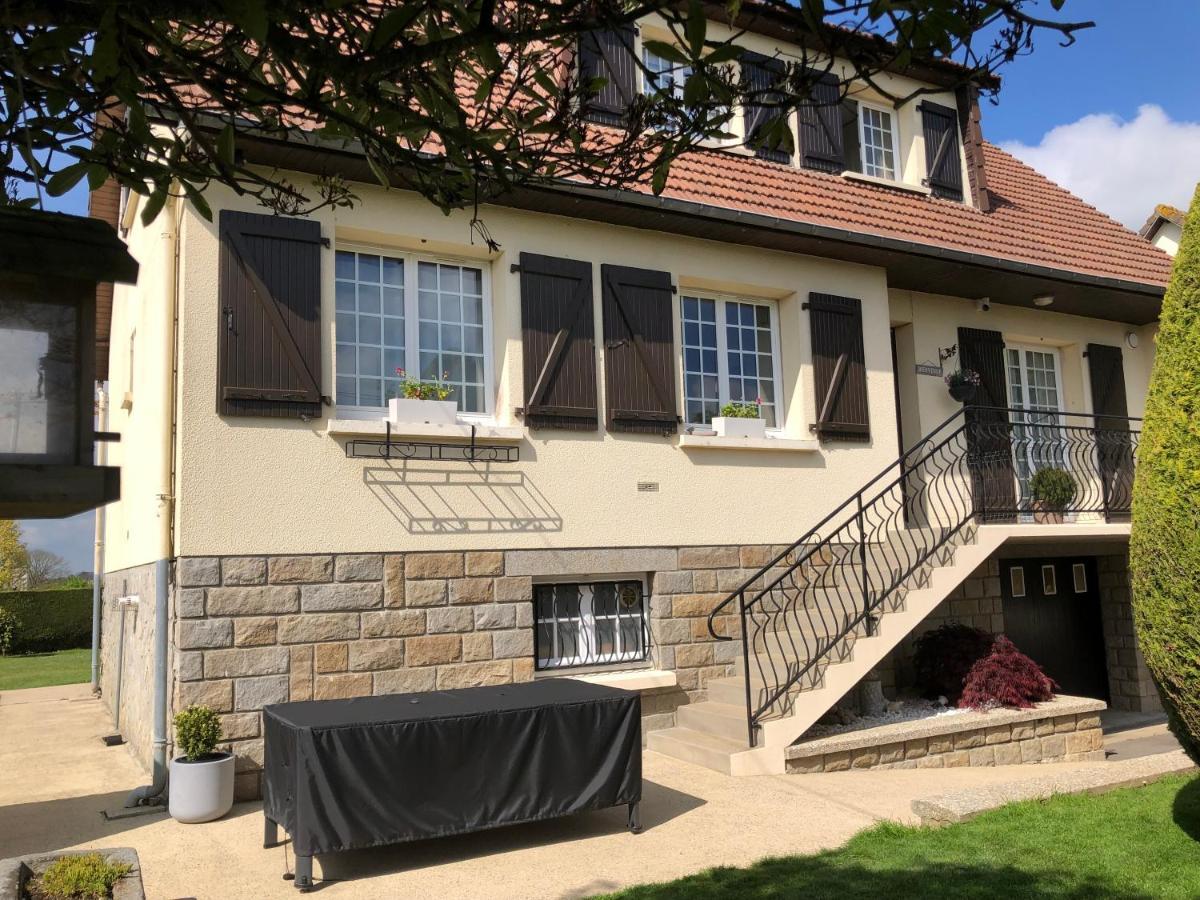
1164,212
1031,220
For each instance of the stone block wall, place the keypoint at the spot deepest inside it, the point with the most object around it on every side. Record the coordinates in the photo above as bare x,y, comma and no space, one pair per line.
1054,738
137,661
255,630
1129,680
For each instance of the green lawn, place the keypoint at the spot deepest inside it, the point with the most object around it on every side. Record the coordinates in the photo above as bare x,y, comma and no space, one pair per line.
1134,844
44,669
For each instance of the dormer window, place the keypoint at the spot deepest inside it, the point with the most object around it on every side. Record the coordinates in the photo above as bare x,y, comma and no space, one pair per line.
877,142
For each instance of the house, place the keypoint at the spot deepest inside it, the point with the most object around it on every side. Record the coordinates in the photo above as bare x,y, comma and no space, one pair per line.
578,514
1164,228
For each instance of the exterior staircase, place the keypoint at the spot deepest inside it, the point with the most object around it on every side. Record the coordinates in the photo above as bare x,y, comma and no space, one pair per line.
819,617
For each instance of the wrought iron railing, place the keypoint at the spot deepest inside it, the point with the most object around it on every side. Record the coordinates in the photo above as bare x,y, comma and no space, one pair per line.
804,609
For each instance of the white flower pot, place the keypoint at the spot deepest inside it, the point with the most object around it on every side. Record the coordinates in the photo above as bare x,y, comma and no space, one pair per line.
201,791
402,411
727,426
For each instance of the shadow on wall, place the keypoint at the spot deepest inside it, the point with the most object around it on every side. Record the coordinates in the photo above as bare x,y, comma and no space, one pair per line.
458,498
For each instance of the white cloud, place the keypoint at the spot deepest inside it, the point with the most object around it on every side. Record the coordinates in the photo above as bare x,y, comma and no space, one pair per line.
1121,167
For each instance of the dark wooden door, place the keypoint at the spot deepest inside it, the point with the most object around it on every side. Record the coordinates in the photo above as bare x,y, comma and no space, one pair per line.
1052,614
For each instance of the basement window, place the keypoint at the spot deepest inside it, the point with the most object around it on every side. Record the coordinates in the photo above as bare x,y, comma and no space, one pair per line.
589,623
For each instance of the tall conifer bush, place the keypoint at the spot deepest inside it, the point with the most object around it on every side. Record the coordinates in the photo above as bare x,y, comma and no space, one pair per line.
1165,544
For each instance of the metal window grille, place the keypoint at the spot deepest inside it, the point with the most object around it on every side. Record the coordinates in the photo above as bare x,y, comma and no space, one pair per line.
589,623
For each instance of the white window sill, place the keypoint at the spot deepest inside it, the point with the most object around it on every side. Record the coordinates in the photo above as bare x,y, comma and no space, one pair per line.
632,679
378,428
887,182
712,442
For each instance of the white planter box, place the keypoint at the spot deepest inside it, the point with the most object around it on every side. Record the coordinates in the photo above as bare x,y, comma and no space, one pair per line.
430,412
727,426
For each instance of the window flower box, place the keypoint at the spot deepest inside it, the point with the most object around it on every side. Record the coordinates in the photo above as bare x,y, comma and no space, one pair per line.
738,427
404,410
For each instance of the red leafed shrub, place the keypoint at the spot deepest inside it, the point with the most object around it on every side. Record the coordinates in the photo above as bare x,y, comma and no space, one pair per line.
1006,677
943,657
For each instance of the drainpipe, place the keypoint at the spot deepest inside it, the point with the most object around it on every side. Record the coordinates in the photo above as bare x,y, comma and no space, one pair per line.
98,549
155,792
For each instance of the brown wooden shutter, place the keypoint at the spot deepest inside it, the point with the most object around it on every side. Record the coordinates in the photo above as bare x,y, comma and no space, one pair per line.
989,438
269,361
761,73
1114,448
609,54
558,343
821,127
839,367
639,350
943,166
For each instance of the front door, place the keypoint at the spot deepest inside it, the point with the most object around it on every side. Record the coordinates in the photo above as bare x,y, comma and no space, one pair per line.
1052,614
1034,388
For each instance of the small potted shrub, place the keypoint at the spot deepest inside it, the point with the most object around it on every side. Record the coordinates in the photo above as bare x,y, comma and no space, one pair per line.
201,779
1006,677
425,402
743,420
1053,490
963,384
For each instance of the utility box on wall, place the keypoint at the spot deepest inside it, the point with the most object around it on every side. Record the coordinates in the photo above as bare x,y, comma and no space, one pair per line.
50,265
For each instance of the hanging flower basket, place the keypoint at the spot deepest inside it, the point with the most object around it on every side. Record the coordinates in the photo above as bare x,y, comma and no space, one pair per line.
964,384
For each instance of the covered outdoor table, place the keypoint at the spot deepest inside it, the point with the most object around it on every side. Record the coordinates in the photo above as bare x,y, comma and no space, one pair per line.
369,771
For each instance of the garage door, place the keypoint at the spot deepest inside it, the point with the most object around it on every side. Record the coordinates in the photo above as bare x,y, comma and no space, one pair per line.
1052,614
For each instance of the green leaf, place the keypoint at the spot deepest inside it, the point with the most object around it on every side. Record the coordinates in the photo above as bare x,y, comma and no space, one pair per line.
666,50
226,150
727,52
697,27
197,200
154,203
96,176
65,179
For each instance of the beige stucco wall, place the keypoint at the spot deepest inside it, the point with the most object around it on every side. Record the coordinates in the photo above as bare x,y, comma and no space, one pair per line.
926,322
270,486
136,525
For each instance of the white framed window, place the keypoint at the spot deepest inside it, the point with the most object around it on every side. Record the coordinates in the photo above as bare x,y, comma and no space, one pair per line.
1034,386
427,316
1049,581
1016,580
877,141
662,76
1079,575
587,623
730,355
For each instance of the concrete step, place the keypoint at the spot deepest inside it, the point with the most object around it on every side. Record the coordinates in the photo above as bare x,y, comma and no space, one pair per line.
725,720
707,750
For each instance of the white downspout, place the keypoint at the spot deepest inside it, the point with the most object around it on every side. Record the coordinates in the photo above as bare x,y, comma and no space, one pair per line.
153,793
98,549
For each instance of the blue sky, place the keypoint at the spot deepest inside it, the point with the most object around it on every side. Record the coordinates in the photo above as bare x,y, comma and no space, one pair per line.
1115,118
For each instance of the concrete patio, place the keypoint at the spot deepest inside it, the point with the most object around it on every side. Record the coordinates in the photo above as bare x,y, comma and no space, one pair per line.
58,778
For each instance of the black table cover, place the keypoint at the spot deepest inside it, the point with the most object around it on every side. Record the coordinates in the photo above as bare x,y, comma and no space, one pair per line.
345,774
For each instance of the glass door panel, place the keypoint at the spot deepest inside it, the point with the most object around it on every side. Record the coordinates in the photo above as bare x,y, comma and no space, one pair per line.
1034,388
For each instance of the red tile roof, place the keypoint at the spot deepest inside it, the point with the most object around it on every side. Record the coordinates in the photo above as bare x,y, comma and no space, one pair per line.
1032,219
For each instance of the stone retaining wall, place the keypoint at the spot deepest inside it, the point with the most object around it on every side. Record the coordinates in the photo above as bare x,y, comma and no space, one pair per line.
997,738
255,630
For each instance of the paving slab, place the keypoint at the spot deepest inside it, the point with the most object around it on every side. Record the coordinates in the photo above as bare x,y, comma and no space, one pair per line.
58,777
959,806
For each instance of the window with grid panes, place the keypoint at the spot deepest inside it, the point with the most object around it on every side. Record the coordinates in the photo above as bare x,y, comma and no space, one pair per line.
728,357
401,312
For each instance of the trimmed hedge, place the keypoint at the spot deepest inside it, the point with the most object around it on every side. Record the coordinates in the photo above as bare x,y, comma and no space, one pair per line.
1164,549
50,620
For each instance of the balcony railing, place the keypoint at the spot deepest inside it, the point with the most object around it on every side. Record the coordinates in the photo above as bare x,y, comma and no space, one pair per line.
802,610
